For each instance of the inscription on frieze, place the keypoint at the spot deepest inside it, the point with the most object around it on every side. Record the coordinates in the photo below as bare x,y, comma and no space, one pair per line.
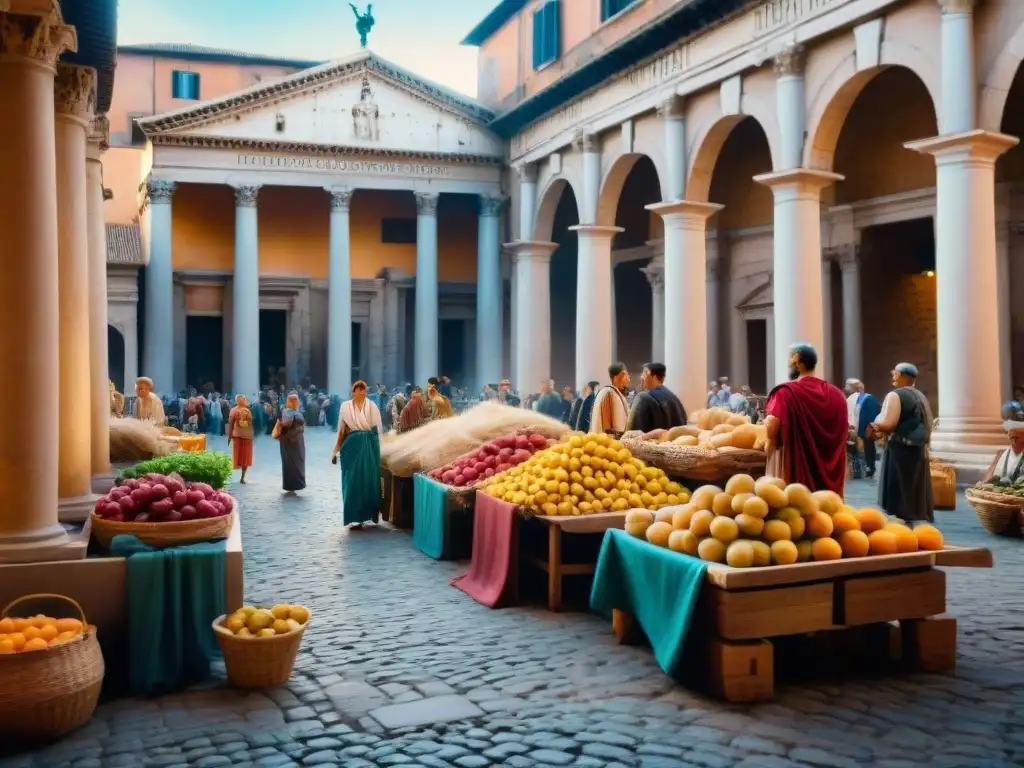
366,167
774,14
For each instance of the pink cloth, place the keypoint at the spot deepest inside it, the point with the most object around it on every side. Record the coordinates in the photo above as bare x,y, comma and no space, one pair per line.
492,565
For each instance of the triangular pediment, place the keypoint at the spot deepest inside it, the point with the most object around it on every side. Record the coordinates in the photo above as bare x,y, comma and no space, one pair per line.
362,102
762,297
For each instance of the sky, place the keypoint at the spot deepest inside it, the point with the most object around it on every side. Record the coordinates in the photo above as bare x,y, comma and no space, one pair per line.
420,35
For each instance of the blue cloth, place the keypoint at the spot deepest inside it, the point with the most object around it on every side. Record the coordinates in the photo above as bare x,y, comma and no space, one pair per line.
361,497
869,410
430,500
174,595
657,586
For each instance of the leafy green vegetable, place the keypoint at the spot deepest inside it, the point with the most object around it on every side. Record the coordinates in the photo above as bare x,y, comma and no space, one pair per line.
211,467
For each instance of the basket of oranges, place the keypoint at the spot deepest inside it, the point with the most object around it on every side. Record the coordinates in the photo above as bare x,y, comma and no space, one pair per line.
260,644
51,667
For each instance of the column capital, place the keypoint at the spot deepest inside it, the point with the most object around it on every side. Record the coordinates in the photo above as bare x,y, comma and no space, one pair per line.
799,180
530,250
526,173
99,135
426,203
957,6
586,142
41,38
246,196
491,205
74,92
672,108
108,194
846,256
340,199
978,147
685,213
790,61
655,272
595,231
159,191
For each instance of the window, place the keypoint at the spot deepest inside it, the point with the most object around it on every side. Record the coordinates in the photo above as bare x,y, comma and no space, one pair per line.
398,231
611,7
185,85
546,34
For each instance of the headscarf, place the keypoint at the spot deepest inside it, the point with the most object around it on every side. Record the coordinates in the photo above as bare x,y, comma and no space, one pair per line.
291,412
242,401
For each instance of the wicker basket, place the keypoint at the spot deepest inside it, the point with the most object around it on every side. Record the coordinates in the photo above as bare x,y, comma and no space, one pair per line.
166,534
998,514
46,693
258,662
943,484
689,461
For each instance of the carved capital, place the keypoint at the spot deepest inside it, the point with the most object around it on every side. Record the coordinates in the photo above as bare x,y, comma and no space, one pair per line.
527,173
846,256
246,197
491,205
108,194
655,272
426,203
585,142
790,61
40,38
74,92
341,199
957,6
99,132
160,191
671,108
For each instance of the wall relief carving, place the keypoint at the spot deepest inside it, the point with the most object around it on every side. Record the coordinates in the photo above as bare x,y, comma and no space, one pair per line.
366,115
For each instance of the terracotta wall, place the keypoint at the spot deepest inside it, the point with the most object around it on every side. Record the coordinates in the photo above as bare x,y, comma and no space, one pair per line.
294,232
122,174
747,203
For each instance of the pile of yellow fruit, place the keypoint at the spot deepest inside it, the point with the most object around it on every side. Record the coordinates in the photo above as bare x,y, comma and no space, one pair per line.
585,474
766,522
263,622
718,428
37,633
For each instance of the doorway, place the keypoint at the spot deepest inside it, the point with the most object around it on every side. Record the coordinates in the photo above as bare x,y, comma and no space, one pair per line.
204,350
115,357
273,347
357,355
453,349
757,356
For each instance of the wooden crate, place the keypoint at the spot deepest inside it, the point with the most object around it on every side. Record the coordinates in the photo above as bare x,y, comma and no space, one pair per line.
890,597
759,613
929,644
740,671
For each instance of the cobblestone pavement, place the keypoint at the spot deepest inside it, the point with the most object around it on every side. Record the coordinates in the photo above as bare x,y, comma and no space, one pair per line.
525,687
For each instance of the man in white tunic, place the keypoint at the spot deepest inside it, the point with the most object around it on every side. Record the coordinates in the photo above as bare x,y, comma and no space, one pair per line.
147,405
1008,466
611,409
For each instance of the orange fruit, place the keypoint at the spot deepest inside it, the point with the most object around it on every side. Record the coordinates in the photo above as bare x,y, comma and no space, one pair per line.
49,632
682,516
68,625
721,505
928,537
711,550
854,543
883,543
755,506
700,523
777,530
63,637
820,525
784,552
871,520
906,541
36,644
31,632
843,522
20,625
7,626
826,548
6,646
39,621
17,640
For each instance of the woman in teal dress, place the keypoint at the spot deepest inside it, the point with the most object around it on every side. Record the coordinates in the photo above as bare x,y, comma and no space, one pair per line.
358,443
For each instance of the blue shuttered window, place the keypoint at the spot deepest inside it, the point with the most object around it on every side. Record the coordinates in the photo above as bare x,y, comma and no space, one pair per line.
547,33
185,85
611,7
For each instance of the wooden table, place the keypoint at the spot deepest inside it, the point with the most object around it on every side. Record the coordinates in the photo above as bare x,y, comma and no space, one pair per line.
553,566
741,610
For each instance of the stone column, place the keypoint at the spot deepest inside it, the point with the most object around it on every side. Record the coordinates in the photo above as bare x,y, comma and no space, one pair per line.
671,113
1003,278
714,333
853,344
532,265
825,362
158,338
527,201
655,271
29,48
74,104
513,313
798,311
614,313
246,351
594,319
686,316
791,106
589,145
489,337
426,289
339,297
958,107
99,374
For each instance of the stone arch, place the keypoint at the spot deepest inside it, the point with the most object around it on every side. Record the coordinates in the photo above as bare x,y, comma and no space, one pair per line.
712,136
614,181
995,86
544,219
831,105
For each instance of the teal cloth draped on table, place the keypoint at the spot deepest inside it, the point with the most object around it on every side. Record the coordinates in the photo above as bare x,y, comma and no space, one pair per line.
657,586
174,595
430,501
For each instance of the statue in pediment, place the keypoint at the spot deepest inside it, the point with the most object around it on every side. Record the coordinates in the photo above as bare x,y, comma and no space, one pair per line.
364,22
365,114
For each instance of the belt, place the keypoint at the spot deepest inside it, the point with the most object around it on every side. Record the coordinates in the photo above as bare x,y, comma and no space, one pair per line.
904,441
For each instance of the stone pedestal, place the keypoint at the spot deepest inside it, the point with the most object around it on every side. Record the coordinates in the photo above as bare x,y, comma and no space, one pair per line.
594,319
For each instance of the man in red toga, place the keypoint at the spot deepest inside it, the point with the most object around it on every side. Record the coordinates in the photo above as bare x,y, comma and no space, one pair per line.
807,426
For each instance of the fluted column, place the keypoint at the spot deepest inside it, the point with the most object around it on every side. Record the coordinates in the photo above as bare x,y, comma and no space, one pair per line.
594,321
853,343
246,350
29,48
655,271
99,375
158,336
532,300
489,337
686,316
339,297
74,105
426,352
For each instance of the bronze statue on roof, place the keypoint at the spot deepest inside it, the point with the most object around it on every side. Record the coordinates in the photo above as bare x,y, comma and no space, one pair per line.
364,22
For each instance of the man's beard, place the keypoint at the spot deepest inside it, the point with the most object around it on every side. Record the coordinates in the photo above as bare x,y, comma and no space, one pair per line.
794,374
